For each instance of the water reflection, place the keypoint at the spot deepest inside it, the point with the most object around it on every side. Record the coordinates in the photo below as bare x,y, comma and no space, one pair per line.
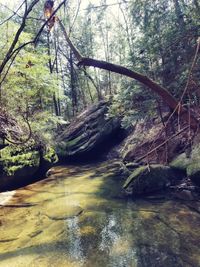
116,243
75,250
109,234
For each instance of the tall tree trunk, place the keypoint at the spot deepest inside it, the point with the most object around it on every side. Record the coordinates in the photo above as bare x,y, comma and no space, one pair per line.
51,71
72,82
179,15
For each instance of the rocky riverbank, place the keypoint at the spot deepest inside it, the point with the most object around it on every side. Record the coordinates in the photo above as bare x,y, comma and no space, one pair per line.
149,163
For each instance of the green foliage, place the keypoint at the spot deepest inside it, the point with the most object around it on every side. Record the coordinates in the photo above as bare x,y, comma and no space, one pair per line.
50,155
132,103
29,87
163,49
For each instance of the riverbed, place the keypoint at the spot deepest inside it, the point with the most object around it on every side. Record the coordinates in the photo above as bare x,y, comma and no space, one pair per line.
79,216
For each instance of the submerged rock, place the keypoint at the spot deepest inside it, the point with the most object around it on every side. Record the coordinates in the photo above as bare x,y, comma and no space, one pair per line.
63,212
88,132
146,180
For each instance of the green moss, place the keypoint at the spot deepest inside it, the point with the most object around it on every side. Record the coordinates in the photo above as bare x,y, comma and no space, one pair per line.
74,141
11,163
65,148
181,162
134,175
13,169
193,169
50,155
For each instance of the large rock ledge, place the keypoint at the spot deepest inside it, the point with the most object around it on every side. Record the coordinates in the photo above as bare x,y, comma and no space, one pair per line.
20,166
90,132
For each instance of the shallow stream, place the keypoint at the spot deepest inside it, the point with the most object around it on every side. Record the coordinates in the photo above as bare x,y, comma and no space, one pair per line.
78,216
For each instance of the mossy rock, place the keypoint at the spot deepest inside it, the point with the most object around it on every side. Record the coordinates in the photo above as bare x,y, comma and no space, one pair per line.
20,166
193,169
48,159
16,165
146,180
50,155
181,163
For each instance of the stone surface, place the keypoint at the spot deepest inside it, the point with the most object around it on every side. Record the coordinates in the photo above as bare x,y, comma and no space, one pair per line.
146,180
89,131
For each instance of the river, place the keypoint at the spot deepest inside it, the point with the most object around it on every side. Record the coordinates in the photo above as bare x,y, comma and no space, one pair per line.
78,217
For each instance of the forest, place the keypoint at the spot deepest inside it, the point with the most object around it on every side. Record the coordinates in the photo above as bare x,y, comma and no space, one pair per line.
99,133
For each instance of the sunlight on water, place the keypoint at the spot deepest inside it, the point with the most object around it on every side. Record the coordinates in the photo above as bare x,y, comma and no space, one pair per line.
6,196
75,249
117,246
78,217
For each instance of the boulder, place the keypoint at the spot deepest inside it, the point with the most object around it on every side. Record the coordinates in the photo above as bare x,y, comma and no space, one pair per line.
146,180
16,166
193,168
88,132
181,162
190,165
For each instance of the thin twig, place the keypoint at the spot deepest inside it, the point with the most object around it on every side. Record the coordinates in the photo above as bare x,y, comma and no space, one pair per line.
163,143
14,13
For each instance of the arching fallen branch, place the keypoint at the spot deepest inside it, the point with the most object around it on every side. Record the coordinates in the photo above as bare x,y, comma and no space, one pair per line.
154,86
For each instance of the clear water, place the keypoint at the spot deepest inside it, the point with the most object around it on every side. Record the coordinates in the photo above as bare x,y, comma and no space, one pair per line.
79,217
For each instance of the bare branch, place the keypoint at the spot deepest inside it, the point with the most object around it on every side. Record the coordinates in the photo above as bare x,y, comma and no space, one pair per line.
16,38
12,52
75,17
